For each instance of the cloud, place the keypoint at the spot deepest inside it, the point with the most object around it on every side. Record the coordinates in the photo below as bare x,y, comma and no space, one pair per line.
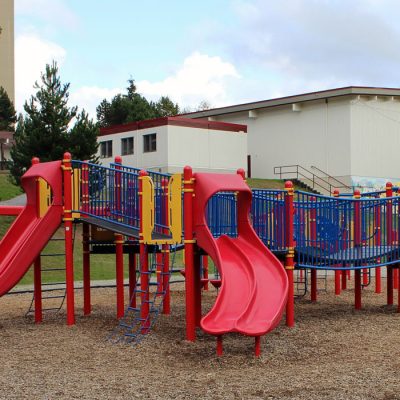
89,97
32,53
201,77
310,43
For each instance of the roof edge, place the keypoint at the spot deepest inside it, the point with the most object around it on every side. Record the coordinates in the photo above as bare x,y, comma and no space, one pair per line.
323,94
173,121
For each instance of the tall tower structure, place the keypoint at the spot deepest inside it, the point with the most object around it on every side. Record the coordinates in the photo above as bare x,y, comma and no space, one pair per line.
7,47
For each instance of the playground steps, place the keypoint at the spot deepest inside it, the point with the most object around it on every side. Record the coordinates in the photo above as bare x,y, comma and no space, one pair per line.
133,326
306,185
53,292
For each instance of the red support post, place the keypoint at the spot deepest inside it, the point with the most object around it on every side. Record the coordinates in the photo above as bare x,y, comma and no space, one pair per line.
188,190
69,256
338,272
313,240
345,272
144,265
132,278
87,308
165,249
37,268
257,346
119,242
357,243
289,259
37,290
389,237
220,349
378,223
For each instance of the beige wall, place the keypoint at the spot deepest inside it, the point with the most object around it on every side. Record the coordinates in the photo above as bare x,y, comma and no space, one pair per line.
317,135
7,47
204,150
375,140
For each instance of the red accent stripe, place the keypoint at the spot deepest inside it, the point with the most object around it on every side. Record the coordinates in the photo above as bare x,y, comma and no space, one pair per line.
173,121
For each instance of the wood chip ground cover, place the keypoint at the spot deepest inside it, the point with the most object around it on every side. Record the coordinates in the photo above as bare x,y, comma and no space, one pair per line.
333,352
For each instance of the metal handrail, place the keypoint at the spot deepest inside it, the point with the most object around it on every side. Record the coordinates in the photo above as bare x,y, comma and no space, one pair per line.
301,171
343,185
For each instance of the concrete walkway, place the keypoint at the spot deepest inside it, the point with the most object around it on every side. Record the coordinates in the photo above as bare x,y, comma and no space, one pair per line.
16,201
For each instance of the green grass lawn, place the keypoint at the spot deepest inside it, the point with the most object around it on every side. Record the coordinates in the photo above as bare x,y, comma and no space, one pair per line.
8,190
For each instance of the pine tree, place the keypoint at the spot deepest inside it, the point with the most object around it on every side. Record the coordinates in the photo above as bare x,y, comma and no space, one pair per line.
7,112
44,131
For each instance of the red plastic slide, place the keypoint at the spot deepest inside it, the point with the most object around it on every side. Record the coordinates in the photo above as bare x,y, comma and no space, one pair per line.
254,286
29,233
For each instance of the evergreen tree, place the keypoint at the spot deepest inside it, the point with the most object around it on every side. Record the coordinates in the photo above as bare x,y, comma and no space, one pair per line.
166,108
7,112
45,132
132,106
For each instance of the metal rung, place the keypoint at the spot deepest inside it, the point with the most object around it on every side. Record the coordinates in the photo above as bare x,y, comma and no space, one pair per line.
53,255
53,297
53,284
52,269
51,309
133,309
147,302
131,334
123,325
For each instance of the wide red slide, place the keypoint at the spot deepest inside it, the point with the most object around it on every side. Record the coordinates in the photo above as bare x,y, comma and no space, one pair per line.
254,285
30,232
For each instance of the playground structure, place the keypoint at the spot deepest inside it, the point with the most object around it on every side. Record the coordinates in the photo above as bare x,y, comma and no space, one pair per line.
143,211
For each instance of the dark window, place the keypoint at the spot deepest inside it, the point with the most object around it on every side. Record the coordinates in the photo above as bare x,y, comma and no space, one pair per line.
127,146
106,149
150,143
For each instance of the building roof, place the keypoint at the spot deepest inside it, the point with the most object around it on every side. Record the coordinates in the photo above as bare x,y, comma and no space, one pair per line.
174,121
323,94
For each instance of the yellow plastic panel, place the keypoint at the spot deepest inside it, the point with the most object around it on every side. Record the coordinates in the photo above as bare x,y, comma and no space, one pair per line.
44,197
175,207
147,209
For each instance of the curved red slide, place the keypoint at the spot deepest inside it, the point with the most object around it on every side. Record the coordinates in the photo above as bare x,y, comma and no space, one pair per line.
29,233
254,286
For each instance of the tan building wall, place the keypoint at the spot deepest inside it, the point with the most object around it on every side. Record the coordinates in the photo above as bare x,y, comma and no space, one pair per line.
7,47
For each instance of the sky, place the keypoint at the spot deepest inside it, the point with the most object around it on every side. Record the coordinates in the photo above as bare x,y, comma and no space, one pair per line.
221,51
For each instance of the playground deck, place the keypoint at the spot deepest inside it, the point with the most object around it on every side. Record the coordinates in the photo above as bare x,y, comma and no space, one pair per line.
332,353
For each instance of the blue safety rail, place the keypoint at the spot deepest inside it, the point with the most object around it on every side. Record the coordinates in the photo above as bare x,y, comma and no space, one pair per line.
160,182
113,194
346,233
268,217
221,214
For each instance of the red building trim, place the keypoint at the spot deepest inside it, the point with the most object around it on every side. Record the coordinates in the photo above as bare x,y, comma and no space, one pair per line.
173,121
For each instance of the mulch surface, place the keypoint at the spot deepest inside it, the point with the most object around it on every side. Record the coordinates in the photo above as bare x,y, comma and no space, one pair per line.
333,352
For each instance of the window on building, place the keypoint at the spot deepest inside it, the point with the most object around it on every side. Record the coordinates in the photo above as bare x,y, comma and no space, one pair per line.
127,146
106,149
150,143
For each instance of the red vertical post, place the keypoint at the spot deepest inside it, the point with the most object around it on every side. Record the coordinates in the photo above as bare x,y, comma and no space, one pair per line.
220,349
119,242
197,286
37,268
338,272
357,243
289,259
257,346
188,193
69,256
86,269
37,289
165,250
378,223
132,278
344,272
313,237
389,237
144,264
